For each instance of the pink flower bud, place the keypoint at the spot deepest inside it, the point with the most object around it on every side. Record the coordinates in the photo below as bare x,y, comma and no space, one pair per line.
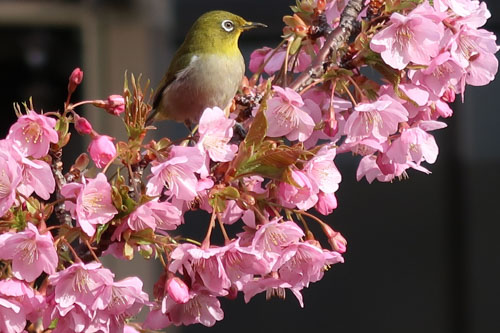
327,202
178,290
339,243
82,125
233,292
449,95
331,127
102,150
335,239
75,79
115,105
385,164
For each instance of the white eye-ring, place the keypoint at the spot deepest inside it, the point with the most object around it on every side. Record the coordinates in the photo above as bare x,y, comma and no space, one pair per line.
228,25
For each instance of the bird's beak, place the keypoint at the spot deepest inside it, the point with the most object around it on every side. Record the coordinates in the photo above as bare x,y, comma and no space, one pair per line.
251,25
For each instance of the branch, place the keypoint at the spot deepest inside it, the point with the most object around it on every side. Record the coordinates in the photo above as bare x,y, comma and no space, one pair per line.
337,37
62,214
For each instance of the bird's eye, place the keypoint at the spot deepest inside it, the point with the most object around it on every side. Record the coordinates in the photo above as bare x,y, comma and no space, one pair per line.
228,25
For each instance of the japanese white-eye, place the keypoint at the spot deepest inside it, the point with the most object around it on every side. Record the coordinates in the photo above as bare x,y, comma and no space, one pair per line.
206,70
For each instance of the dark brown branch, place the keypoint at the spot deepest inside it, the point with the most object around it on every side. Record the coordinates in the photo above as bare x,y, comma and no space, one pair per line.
336,38
62,214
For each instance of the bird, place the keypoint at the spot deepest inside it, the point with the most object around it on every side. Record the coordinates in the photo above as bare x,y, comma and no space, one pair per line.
206,71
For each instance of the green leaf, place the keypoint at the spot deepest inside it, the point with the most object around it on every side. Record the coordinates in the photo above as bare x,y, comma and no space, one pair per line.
230,193
219,196
116,197
33,205
20,220
271,162
62,128
146,253
296,44
53,324
217,202
143,237
100,230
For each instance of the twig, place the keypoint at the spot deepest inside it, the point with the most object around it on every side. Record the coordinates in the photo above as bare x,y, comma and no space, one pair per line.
206,242
62,214
337,37
91,250
223,229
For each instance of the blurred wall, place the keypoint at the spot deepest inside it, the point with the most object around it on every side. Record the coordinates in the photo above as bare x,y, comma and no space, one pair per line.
423,253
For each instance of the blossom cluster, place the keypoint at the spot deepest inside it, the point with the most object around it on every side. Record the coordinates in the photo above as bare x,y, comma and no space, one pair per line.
268,167
433,51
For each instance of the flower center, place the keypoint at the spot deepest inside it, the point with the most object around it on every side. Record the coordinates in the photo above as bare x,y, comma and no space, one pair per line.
81,281
468,47
371,119
286,115
215,143
27,251
193,307
33,132
5,185
92,202
403,36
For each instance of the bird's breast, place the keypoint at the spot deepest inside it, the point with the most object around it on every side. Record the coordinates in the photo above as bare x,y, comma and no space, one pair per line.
209,80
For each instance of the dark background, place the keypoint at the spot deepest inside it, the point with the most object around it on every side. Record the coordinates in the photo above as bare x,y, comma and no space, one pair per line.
423,253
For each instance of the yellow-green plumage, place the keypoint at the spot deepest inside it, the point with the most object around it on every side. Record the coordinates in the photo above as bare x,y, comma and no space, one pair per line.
206,70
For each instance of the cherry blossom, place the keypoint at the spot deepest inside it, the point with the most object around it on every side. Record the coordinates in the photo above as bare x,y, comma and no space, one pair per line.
102,150
442,73
10,178
303,263
413,38
155,214
31,252
309,100
273,60
322,170
115,105
18,302
327,202
177,173
204,266
33,133
415,145
200,309
286,117
177,290
242,263
378,119
93,202
303,193
215,132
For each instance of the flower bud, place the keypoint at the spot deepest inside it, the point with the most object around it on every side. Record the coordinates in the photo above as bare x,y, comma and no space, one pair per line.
233,293
331,127
102,150
115,105
335,238
449,95
75,79
327,202
385,164
82,125
177,290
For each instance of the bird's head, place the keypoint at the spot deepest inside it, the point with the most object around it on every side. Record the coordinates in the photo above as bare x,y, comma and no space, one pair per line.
218,31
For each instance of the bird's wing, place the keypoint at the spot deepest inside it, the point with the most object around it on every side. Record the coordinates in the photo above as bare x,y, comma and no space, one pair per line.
178,64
